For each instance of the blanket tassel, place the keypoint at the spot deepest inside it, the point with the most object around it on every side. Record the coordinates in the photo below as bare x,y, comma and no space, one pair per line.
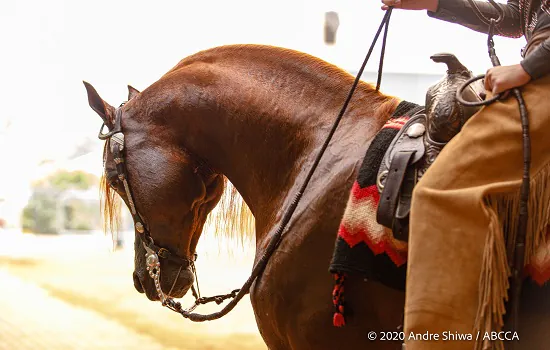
338,320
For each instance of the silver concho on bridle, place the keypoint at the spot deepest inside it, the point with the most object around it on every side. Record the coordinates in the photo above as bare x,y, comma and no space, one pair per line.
152,264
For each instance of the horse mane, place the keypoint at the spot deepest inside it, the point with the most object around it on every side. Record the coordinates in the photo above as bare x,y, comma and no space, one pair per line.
341,78
231,218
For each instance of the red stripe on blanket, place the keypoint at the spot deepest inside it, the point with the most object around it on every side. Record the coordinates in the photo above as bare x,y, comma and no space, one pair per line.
396,123
360,225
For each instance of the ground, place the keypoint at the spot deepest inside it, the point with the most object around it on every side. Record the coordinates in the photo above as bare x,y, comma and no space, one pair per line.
72,292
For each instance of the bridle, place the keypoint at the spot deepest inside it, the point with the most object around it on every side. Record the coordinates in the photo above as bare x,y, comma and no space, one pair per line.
115,140
153,252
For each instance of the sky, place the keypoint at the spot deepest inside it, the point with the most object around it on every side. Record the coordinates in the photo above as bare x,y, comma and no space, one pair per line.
50,47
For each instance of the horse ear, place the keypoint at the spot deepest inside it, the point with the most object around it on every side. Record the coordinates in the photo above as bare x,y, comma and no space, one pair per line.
105,111
132,92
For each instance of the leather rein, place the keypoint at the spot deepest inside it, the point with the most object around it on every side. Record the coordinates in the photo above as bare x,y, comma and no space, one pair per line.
115,138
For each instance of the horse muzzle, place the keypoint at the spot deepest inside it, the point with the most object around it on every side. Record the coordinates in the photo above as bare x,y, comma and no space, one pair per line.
174,283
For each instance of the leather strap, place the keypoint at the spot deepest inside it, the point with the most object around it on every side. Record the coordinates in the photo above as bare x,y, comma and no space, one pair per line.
166,254
400,227
388,199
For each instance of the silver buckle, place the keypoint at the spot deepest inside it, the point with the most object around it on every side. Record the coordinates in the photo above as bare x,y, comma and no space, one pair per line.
118,138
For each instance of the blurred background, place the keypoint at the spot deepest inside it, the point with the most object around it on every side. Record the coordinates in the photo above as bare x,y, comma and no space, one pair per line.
64,283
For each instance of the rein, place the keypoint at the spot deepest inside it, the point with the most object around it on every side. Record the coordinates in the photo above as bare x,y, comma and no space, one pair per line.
516,265
154,252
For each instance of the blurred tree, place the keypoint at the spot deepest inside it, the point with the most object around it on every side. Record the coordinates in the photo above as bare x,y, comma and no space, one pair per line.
48,200
65,180
40,213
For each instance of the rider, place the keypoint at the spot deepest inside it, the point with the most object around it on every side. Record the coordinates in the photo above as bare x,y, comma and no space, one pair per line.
466,204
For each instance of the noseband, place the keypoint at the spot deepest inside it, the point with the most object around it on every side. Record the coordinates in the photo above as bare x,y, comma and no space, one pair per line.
115,138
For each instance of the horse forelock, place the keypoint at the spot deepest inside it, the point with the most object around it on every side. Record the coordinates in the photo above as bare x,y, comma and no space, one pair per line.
109,204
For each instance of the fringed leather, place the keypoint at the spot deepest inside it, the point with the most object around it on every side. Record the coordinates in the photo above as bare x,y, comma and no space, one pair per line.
499,251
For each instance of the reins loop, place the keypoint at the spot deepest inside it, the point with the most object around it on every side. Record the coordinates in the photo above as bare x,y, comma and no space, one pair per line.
467,83
237,294
153,252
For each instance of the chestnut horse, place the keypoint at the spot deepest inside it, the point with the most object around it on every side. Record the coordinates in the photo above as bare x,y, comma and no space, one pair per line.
257,116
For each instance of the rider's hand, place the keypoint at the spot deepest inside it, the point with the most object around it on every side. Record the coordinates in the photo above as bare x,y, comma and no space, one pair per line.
430,5
502,78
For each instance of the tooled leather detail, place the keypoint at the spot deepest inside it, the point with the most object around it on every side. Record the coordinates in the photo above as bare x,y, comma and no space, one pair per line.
432,150
445,115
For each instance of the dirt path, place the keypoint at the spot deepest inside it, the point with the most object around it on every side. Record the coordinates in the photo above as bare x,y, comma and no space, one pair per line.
31,318
86,301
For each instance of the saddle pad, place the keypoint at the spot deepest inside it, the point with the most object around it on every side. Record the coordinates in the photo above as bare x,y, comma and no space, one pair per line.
365,247
362,245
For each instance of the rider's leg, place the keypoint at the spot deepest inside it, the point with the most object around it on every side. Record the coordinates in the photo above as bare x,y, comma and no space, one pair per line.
456,250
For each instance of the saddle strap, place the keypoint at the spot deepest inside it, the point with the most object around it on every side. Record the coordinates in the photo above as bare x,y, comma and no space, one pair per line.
390,194
400,226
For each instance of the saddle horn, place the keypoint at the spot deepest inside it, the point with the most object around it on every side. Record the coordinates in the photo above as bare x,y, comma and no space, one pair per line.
445,116
454,66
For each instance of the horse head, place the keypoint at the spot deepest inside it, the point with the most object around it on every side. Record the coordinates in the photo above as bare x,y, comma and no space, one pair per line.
168,190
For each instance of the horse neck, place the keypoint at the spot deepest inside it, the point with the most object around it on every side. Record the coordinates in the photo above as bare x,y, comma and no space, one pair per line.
261,124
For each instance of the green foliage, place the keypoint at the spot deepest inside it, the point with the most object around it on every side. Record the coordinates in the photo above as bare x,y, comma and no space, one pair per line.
40,213
48,212
79,215
64,180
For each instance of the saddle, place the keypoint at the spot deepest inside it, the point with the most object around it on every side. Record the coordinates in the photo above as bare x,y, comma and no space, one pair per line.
419,142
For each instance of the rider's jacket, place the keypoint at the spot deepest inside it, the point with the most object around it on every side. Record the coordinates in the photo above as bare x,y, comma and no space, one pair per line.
529,18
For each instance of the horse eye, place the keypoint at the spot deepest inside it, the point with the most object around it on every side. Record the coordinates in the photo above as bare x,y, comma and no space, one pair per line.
112,179
113,183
